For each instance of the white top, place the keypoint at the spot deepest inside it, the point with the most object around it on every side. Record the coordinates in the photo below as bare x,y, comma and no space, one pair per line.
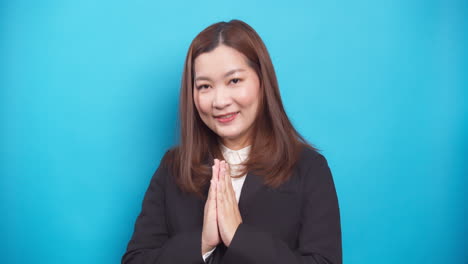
234,158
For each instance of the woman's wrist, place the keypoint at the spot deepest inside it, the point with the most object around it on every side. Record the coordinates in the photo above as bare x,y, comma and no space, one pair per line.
206,248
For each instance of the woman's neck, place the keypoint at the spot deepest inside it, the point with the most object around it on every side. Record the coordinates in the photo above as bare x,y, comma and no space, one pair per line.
235,145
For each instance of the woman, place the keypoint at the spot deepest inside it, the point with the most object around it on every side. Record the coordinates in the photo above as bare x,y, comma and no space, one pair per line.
243,186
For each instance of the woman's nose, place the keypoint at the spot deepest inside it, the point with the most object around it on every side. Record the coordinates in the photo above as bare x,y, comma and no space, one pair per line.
222,98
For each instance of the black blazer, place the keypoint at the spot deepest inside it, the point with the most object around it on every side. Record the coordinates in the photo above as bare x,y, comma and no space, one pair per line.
298,222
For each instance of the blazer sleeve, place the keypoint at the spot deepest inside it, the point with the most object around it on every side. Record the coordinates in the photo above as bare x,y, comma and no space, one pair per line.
151,241
319,239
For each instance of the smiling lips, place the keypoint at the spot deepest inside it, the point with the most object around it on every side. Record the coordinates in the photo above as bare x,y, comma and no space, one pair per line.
227,117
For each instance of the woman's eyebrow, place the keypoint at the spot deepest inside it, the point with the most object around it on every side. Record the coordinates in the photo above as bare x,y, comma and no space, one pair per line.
231,72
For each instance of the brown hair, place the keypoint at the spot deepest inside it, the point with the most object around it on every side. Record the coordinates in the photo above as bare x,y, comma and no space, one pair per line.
276,145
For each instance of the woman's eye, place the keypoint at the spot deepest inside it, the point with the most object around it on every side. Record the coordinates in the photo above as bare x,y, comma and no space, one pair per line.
202,86
235,80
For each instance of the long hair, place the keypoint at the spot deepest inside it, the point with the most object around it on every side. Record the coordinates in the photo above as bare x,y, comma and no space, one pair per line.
276,145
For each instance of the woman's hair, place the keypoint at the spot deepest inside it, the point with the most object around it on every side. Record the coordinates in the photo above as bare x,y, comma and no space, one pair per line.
276,145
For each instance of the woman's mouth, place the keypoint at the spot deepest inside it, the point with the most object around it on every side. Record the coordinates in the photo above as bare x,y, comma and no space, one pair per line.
226,118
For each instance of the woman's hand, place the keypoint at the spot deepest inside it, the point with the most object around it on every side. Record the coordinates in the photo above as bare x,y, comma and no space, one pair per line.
210,234
229,217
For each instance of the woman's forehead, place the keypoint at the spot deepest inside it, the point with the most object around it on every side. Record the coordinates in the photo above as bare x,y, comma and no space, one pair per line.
219,62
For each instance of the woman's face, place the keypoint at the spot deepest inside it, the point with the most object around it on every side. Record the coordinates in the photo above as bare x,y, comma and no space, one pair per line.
226,94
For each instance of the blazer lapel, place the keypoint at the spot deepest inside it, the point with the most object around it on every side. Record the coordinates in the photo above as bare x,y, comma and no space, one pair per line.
251,186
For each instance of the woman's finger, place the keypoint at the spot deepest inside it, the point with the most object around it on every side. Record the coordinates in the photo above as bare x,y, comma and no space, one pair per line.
227,188
211,200
213,183
219,195
210,233
221,176
232,193
212,192
216,170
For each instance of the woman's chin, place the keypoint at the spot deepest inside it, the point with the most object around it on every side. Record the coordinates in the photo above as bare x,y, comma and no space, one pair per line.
229,137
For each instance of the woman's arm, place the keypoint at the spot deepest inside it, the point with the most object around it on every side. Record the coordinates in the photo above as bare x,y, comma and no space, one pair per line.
150,242
319,239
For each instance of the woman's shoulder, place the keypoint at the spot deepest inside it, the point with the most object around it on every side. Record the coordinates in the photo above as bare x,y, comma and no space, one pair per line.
311,158
166,165
310,153
170,156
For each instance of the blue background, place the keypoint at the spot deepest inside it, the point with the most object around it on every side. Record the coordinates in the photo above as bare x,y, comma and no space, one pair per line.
88,103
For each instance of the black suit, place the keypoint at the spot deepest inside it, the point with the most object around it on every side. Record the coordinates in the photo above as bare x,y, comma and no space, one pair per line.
298,222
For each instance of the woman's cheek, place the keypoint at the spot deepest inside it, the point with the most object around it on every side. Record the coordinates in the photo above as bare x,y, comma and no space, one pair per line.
247,95
204,102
